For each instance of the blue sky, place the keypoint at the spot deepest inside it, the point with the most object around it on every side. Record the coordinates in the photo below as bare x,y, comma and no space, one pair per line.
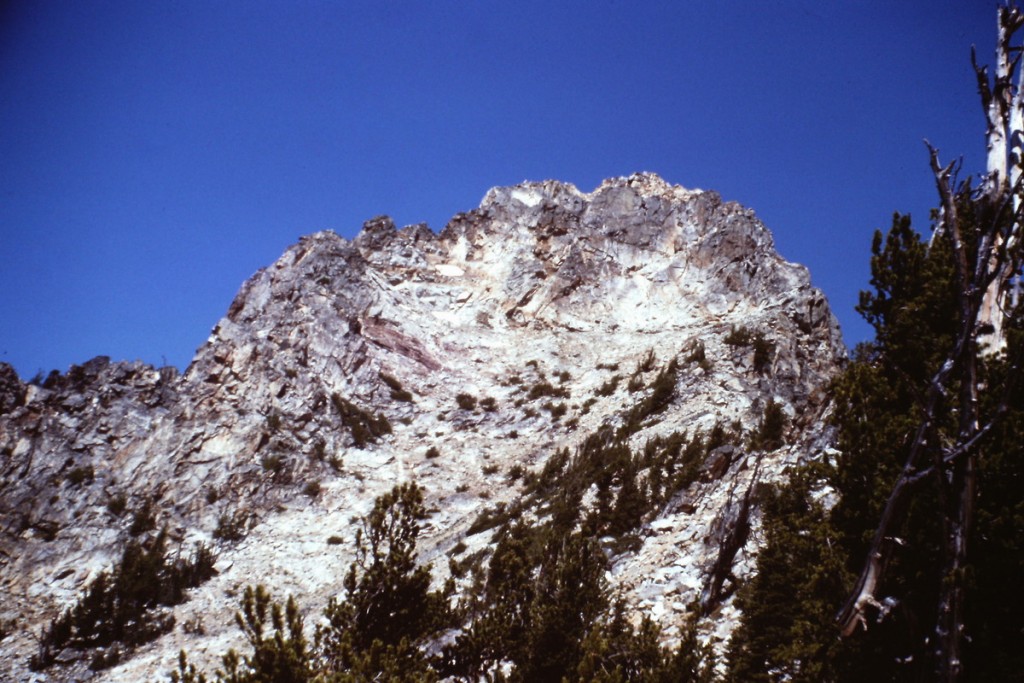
154,155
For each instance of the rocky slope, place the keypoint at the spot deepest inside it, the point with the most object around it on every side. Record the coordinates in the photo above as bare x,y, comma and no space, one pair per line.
337,368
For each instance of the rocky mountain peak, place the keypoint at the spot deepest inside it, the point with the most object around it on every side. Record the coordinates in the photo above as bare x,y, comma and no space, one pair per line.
460,359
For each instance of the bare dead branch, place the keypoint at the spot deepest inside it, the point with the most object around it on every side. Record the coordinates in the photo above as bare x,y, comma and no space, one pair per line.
951,217
981,73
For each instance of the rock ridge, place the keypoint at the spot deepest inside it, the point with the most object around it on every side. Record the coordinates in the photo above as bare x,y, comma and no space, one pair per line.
541,284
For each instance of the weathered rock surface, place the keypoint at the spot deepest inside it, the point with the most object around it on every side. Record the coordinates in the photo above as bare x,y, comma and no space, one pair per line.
540,283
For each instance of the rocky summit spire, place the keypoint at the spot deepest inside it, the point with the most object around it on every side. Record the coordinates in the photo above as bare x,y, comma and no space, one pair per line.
464,360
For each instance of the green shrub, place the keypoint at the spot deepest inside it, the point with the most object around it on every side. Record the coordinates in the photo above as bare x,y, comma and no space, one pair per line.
194,626
489,404
231,527
398,392
7,626
663,390
771,430
698,355
763,350
80,475
433,452
278,656
143,519
557,410
536,608
545,388
738,336
311,489
319,450
118,608
609,387
272,462
117,504
550,474
364,426
466,401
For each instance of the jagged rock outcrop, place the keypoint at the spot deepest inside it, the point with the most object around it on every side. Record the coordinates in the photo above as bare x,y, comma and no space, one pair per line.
337,368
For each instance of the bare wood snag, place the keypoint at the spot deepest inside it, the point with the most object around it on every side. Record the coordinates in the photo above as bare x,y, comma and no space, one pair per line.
982,227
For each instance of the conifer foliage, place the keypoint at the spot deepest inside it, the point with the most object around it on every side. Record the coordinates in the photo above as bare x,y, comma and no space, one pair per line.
389,608
121,608
543,613
376,633
546,615
280,657
915,553
813,552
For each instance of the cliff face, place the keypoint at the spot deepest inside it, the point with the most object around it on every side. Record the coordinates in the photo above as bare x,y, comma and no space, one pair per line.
341,365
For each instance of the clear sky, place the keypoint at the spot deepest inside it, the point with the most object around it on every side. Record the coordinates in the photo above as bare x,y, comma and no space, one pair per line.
154,155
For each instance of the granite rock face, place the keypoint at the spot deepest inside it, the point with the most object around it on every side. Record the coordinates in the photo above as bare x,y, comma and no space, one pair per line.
341,365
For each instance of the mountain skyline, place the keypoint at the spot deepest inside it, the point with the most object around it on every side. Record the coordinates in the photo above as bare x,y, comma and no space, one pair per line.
157,155
471,363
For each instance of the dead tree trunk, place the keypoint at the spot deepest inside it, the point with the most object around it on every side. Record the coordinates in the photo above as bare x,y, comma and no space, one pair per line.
958,484
929,457
984,271
1003,102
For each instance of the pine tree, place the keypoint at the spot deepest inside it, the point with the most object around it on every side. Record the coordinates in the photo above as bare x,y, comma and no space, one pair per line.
569,595
278,657
880,400
389,608
499,631
615,652
995,599
787,630
981,232
376,633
